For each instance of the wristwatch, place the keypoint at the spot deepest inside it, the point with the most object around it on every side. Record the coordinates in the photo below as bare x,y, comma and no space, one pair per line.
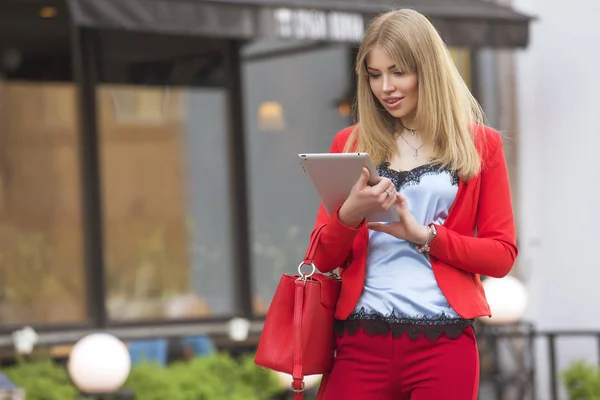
431,235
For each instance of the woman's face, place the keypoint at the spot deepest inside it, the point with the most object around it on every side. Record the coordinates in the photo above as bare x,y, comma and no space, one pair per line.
396,90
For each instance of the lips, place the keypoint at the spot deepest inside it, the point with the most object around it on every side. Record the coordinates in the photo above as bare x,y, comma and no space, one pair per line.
392,102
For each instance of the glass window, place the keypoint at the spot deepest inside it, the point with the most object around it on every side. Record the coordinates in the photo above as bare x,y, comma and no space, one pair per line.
291,106
164,181
41,246
462,59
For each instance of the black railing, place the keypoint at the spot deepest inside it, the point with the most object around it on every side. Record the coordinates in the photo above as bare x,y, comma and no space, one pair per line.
508,363
551,337
515,345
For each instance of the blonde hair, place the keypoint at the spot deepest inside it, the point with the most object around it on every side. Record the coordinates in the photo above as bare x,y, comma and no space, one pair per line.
446,110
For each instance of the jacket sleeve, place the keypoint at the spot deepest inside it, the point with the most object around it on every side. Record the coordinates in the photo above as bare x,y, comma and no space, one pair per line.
334,241
494,250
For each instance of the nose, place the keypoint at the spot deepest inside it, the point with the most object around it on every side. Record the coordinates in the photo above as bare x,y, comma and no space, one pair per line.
387,84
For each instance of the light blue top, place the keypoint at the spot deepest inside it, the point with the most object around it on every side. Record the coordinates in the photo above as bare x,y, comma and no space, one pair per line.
399,281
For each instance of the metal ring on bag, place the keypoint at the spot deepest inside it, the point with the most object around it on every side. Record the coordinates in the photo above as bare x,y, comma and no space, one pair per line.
306,276
298,390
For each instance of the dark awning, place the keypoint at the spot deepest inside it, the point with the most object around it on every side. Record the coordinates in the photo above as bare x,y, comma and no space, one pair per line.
460,22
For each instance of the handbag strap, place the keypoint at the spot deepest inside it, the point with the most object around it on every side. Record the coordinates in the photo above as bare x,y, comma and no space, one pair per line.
312,246
297,373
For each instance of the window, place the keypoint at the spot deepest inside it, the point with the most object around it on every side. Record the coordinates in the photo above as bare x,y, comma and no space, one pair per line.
462,59
291,106
164,181
41,245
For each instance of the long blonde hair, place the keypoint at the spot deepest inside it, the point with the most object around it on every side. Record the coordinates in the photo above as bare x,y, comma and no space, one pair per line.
446,110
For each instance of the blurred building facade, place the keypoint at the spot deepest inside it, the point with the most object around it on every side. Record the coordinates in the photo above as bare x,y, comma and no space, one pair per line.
559,189
148,173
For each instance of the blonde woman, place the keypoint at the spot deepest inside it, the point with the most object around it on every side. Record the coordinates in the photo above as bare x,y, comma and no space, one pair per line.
411,289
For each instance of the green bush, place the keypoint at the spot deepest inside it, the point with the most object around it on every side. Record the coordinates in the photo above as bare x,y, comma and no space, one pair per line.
582,382
43,379
217,377
152,382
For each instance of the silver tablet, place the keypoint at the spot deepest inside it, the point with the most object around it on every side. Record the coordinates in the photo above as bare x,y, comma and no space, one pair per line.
334,174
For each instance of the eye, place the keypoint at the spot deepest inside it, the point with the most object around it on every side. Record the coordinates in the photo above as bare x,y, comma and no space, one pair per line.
398,73
373,75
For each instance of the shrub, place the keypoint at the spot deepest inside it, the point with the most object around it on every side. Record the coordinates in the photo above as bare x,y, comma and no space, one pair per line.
218,377
205,378
42,379
582,382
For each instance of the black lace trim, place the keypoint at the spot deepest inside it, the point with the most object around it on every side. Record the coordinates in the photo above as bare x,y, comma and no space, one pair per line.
413,177
374,323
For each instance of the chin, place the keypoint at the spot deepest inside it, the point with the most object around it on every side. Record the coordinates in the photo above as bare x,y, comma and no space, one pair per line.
398,113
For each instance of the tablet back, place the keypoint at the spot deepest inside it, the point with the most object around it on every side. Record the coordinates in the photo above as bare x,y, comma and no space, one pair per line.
334,174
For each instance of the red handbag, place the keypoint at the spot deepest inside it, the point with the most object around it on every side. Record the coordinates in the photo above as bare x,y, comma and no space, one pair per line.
298,336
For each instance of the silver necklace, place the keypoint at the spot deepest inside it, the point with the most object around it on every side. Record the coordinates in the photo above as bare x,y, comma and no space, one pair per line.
415,149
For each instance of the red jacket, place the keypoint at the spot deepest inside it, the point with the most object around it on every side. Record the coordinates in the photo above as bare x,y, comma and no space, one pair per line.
458,254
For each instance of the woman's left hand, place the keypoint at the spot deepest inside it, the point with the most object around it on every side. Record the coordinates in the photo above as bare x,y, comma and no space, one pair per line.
408,228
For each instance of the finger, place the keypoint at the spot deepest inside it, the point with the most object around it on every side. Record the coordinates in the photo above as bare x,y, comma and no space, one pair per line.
401,204
378,191
364,178
383,184
392,190
390,201
388,197
387,192
376,226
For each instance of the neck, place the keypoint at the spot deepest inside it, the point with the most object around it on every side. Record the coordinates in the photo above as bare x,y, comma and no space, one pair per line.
407,123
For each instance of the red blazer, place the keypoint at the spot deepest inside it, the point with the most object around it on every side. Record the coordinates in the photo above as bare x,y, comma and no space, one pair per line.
458,254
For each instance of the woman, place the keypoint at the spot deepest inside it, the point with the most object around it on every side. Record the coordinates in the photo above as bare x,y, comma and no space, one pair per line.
411,289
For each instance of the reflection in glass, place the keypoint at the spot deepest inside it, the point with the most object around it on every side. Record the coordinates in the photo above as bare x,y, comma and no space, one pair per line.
41,246
462,59
164,180
305,88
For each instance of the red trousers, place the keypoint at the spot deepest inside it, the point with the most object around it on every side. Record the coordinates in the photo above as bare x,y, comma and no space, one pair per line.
386,368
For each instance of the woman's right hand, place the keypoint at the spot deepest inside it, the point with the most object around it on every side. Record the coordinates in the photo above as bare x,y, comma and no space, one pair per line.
364,199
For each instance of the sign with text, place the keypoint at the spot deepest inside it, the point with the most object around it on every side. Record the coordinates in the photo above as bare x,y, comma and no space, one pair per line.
319,25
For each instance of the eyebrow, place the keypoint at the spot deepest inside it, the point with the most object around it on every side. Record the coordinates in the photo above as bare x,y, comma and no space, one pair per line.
389,68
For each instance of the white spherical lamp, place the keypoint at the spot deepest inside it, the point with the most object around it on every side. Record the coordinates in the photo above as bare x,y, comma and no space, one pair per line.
239,329
99,363
507,298
285,380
